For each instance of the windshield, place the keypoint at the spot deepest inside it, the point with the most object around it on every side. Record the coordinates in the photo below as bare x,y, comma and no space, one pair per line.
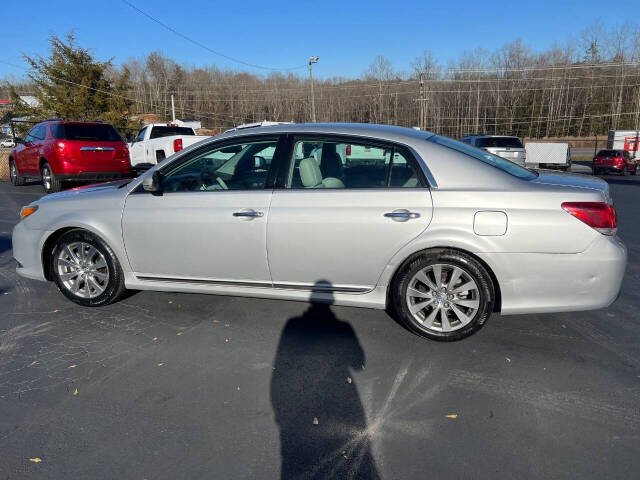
78,131
499,142
157,132
485,157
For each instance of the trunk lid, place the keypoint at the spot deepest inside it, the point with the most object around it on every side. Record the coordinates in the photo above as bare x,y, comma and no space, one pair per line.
95,156
574,180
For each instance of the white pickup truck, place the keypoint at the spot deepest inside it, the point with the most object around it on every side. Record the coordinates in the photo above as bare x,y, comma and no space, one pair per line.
157,141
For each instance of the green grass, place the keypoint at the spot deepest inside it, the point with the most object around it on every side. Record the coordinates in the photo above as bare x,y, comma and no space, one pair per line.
582,158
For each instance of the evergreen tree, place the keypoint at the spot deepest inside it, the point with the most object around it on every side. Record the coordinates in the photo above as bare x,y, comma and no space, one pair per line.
70,84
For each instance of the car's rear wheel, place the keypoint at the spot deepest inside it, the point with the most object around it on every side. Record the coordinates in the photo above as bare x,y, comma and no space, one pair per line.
17,179
443,295
86,270
50,182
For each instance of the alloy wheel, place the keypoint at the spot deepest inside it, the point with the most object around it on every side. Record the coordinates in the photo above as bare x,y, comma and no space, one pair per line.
46,178
443,297
12,172
82,269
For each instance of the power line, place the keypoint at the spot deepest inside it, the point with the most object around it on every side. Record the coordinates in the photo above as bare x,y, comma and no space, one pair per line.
201,45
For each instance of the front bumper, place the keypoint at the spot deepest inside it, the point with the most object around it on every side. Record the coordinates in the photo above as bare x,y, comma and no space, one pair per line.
95,177
27,248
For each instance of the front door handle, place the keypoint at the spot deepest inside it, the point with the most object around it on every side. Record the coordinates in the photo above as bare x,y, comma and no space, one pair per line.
401,215
248,214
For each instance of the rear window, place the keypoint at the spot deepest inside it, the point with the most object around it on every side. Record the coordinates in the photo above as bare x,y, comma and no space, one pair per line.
499,142
609,153
157,132
78,131
485,157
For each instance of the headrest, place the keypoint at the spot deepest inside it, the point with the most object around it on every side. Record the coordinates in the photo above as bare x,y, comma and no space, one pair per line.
310,172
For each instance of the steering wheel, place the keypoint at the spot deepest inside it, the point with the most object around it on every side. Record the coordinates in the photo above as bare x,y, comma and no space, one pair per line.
208,176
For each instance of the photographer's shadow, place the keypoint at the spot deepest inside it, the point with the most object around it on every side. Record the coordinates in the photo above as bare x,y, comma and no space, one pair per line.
323,430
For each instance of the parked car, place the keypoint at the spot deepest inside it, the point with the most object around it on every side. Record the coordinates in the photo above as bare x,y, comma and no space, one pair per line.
510,148
57,152
628,140
157,141
550,155
444,234
7,143
616,161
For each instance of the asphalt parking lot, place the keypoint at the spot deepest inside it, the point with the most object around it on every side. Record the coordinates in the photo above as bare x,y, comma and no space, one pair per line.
166,386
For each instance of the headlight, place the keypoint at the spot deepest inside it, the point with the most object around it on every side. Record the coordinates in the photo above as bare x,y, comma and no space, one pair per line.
28,210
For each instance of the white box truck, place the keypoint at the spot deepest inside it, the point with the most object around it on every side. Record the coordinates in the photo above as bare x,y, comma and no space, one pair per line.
549,155
628,140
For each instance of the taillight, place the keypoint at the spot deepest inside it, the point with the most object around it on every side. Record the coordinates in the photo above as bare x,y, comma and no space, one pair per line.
348,150
598,215
177,145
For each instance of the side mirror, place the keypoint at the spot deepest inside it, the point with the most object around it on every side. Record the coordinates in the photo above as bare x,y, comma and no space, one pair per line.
153,183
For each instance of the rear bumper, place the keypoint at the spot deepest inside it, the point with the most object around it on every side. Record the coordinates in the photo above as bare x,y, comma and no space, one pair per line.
608,168
546,282
94,176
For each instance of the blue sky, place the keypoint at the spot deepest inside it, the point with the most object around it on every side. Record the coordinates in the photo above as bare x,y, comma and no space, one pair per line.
347,35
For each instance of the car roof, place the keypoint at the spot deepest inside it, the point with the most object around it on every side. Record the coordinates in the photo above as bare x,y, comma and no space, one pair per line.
365,130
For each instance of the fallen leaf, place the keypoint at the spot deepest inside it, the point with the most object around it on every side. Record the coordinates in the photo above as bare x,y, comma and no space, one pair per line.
155,338
73,366
349,380
226,339
315,420
160,364
56,311
452,415
216,321
33,363
507,359
564,326
238,388
170,301
75,392
179,333
35,460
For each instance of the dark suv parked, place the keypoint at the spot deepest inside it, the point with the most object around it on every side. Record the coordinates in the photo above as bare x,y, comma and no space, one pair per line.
81,152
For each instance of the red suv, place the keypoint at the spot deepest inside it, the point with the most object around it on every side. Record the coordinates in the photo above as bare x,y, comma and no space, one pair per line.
81,152
618,161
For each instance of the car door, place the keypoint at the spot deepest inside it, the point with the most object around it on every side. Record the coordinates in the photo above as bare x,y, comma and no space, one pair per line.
338,222
28,157
209,223
137,149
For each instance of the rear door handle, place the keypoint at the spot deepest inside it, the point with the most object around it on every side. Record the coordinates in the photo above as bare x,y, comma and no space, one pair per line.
248,214
401,215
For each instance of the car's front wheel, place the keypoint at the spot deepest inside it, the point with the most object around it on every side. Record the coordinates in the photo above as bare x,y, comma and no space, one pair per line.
86,270
16,178
443,294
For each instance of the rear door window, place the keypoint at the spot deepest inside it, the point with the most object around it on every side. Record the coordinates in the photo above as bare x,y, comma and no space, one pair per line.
326,163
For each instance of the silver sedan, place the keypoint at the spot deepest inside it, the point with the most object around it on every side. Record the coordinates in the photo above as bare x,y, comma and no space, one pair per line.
362,215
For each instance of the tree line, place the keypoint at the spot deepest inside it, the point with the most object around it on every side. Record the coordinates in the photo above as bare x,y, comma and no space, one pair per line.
584,87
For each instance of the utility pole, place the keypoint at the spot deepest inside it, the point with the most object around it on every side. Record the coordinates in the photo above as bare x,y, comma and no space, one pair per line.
173,109
312,60
421,100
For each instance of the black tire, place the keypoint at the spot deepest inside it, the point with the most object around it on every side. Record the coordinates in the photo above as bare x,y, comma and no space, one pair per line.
471,268
53,184
114,284
594,171
17,179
